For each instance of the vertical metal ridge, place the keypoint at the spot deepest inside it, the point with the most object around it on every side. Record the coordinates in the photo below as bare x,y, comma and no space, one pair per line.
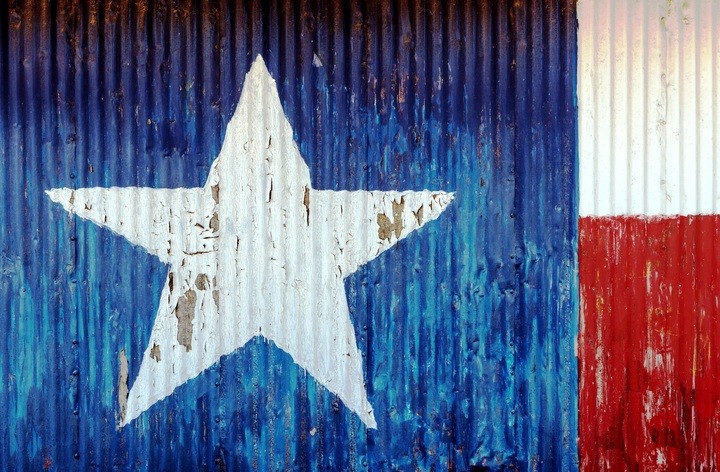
714,98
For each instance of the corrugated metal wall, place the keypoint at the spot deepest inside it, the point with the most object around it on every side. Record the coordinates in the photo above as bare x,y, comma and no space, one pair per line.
648,88
467,327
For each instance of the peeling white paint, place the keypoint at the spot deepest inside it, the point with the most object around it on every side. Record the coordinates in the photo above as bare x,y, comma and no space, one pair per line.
255,252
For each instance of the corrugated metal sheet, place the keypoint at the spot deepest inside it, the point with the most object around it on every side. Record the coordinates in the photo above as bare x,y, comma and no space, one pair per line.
649,79
466,328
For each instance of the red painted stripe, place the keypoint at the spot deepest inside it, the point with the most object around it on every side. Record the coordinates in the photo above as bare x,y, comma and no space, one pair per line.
649,344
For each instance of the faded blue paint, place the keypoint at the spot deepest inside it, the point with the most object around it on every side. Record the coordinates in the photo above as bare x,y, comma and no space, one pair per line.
467,327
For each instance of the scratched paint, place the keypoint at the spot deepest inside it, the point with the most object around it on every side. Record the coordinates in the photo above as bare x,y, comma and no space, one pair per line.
466,328
648,91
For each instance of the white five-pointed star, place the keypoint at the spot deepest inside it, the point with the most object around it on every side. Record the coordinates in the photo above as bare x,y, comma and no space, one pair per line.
255,252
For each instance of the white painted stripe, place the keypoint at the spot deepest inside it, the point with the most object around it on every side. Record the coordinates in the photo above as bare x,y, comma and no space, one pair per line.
648,84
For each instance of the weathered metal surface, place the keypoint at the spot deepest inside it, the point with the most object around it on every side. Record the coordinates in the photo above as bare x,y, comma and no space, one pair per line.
648,89
466,328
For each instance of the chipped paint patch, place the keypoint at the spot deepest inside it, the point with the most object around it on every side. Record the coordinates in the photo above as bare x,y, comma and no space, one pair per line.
185,313
306,204
202,282
216,298
155,353
419,215
215,223
386,227
123,391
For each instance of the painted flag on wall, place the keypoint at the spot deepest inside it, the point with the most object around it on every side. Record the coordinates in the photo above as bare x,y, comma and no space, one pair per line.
648,92
288,235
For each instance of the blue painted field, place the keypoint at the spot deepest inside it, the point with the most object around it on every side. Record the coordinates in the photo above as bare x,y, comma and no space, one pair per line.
467,327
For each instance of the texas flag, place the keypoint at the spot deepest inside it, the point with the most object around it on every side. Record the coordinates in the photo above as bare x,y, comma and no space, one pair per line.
383,235
649,96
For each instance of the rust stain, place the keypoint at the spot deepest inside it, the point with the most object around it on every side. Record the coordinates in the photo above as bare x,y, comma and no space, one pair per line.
185,313
386,227
155,353
215,189
402,88
123,384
